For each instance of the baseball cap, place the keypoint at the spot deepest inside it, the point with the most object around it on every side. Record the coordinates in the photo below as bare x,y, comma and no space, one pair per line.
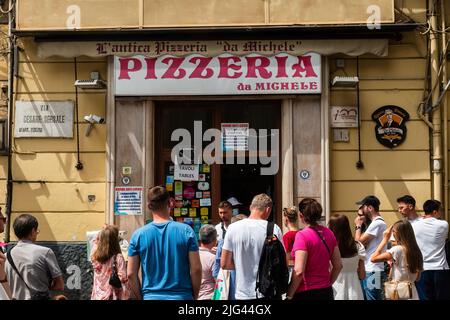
369,200
234,201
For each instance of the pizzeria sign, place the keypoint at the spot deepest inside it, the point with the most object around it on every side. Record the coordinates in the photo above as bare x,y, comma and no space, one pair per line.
225,74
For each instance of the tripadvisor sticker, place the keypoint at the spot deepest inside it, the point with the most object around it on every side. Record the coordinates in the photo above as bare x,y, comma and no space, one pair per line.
390,128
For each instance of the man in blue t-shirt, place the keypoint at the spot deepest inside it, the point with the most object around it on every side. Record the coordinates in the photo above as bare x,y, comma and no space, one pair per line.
167,251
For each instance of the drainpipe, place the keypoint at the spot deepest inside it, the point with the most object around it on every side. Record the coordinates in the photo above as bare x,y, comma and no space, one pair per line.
11,57
436,116
445,108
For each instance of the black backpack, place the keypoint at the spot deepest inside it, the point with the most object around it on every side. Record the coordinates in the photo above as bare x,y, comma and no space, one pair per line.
272,279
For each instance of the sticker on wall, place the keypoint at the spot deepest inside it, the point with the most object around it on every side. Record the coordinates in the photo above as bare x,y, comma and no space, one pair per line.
178,188
205,202
126,170
171,169
206,194
189,193
204,212
184,211
169,179
186,203
192,212
203,186
177,212
169,186
126,180
206,168
179,204
199,194
204,219
195,203
202,177
390,128
179,197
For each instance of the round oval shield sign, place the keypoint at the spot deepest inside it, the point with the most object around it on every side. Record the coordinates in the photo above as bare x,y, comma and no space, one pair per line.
390,128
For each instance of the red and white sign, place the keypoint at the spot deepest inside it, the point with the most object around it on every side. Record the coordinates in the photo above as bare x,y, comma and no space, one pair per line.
224,74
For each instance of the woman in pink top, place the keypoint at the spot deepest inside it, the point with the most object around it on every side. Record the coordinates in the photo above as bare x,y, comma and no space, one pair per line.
105,252
314,248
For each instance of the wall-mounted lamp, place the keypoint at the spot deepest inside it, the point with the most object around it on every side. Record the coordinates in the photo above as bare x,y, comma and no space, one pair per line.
345,82
94,83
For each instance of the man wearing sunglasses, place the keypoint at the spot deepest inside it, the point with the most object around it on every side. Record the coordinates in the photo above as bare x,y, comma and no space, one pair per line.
371,238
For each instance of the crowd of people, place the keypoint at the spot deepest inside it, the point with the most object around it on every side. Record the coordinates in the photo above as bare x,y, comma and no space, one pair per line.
168,261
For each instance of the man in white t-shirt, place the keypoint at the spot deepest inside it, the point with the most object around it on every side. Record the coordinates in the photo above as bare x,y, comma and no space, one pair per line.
407,208
243,246
371,238
431,235
225,214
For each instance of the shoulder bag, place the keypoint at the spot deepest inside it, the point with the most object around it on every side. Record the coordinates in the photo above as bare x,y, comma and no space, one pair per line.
398,290
114,279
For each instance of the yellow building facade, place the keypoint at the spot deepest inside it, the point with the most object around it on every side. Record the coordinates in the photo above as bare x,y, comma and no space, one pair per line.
385,43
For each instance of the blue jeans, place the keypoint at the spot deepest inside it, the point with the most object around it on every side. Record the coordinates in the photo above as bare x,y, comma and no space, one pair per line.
372,285
434,285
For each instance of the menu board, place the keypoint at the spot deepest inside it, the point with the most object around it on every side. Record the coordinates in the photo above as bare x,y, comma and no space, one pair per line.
193,200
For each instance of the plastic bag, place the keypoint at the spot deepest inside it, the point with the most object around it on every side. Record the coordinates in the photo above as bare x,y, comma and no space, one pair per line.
222,288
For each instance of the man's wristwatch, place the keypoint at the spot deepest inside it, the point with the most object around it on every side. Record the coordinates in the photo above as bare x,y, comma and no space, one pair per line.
357,228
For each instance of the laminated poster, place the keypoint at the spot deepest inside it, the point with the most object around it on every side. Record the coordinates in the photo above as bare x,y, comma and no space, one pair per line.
128,201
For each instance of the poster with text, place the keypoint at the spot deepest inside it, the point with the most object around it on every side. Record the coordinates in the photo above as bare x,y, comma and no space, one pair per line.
128,201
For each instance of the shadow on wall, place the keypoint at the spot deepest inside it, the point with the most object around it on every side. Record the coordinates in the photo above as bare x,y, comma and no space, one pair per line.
78,273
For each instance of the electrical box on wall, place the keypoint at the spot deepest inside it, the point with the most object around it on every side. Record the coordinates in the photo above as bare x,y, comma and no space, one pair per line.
341,135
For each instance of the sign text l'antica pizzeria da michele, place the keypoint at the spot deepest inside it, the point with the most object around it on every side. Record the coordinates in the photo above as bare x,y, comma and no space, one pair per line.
238,71
215,67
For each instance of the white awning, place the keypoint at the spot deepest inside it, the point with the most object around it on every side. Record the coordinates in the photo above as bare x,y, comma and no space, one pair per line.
351,47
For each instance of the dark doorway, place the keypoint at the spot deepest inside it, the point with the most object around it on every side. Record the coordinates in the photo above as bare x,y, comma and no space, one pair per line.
243,182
